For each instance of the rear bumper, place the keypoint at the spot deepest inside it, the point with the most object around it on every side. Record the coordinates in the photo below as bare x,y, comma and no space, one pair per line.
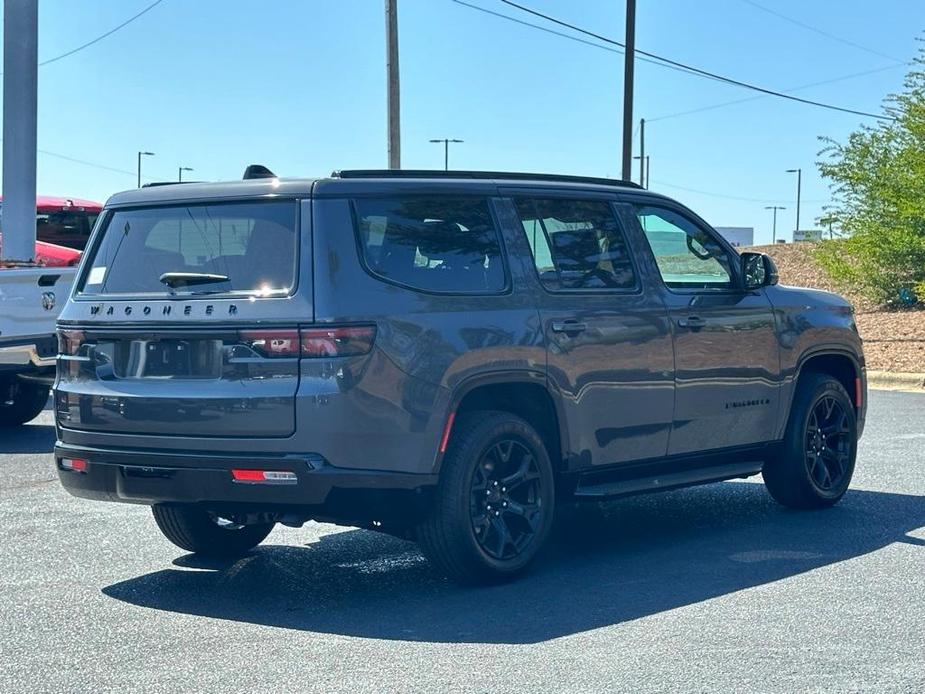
321,491
34,352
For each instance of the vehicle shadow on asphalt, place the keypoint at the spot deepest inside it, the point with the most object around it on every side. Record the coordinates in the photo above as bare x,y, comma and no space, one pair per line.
30,438
605,564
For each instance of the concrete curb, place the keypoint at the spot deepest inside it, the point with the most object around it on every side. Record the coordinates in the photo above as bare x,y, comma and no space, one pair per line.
890,380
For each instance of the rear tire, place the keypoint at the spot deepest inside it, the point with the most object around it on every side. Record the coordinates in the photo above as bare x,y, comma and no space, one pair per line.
21,402
494,506
196,530
817,457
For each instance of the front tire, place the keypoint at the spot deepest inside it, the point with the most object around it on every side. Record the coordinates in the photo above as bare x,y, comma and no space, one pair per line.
494,506
816,462
197,530
21,402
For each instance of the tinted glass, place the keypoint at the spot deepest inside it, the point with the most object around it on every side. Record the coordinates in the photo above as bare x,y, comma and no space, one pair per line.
438,244
252,244
688,257
66,228
576,244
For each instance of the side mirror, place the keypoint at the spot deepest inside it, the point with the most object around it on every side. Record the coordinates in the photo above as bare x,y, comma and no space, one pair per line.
758,270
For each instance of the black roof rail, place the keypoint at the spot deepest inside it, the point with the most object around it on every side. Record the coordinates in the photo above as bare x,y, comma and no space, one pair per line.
158,184
498,175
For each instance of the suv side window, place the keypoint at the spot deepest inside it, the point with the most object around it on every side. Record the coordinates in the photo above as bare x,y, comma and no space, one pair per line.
436,244
576,244
688,257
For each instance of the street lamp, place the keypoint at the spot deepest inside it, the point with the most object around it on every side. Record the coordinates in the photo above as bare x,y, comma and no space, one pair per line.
799,173
180,171
140,155
774,228
446,150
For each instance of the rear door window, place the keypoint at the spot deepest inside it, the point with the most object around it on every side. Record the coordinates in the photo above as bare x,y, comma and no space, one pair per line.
435,244
227,247
576,244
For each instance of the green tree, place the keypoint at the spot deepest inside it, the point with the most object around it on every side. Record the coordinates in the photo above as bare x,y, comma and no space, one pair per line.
878,180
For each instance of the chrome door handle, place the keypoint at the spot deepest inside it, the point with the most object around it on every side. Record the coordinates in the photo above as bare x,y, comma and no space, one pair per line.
568,326
692,322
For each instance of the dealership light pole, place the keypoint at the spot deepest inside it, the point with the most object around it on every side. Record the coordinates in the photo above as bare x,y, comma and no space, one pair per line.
20,109
393,98
643,170
140,155
180,171
774,228
628,66
446,150
799,173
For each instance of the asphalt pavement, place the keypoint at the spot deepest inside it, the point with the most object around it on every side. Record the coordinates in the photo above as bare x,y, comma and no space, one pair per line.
708,589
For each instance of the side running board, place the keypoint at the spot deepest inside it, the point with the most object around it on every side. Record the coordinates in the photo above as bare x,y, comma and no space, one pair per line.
668,480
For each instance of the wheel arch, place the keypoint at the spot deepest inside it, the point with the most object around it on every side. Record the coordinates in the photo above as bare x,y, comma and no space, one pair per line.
522,393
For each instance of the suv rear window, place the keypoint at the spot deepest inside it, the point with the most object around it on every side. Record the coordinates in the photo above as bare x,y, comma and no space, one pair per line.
252,244
436,244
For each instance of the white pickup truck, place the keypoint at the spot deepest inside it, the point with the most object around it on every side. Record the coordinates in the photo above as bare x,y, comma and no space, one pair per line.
31,298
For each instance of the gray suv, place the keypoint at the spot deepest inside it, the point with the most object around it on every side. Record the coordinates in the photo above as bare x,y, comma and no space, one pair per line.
443,356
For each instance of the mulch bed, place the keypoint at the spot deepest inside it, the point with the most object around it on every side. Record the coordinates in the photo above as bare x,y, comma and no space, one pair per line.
893,340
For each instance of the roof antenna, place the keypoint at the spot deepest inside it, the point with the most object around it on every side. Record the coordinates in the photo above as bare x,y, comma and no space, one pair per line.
257,171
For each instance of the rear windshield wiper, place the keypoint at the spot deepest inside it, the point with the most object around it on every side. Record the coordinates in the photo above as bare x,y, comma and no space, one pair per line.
188,279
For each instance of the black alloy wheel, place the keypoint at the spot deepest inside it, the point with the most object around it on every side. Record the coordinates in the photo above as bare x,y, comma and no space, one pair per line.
506,499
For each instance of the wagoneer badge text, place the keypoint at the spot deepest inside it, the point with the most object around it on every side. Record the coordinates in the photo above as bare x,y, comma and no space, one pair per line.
167,310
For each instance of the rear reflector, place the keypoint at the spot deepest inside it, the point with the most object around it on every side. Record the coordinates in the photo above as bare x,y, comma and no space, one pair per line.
858,393
75,464
264,477
446,432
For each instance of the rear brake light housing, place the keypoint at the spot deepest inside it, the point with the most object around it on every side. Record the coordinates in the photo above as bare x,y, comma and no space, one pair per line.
69,341
338,341
313,343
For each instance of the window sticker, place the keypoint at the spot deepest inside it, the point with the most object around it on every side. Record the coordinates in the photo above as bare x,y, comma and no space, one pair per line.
97,275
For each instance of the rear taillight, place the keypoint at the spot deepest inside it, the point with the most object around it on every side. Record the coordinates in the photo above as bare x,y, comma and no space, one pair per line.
273,343
332,341
344,341
69,341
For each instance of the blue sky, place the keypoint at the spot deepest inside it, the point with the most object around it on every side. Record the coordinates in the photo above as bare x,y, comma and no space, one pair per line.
300,86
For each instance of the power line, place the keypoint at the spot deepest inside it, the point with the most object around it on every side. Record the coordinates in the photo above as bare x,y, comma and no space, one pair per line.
729,197
821,32
101,36
560,34
85,163
699,71
763,96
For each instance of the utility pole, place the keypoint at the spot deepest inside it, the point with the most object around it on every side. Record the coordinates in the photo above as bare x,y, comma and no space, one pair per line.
20,110
774,228
394,103
140,155
647,172
446,150
799,173
180,171
642,151
628,67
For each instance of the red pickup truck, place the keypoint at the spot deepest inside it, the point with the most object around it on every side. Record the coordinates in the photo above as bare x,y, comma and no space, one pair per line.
31,296
63,226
